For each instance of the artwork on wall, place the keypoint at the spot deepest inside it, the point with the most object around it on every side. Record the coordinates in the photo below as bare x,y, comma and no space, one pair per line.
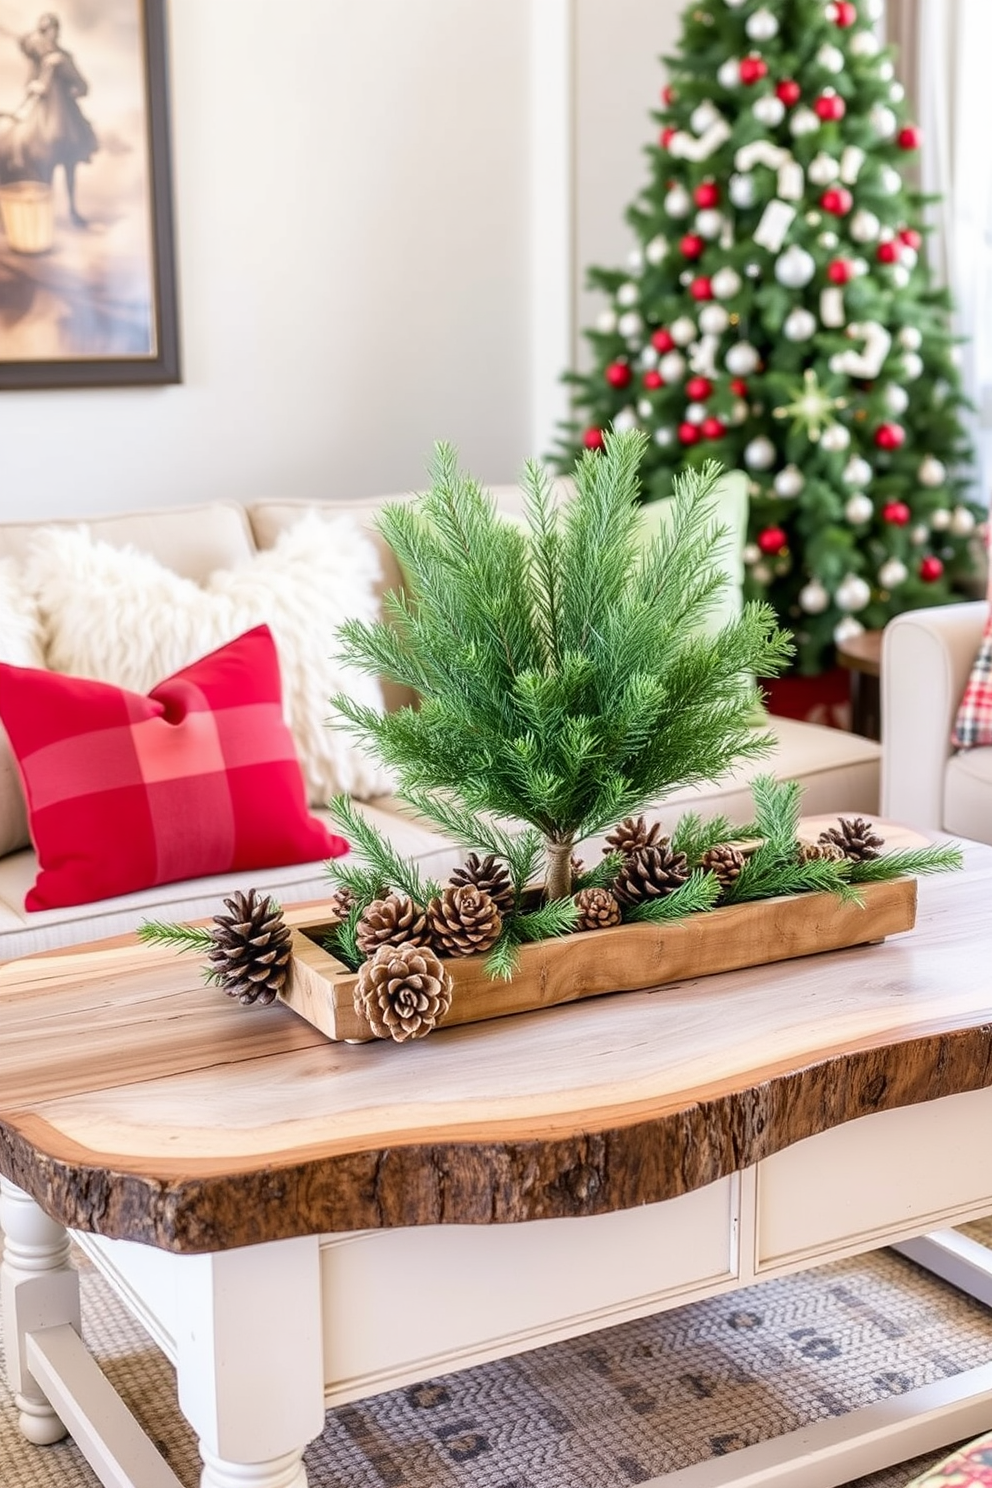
87,277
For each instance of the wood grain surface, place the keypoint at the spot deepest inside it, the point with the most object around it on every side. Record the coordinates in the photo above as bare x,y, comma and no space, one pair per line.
137,1102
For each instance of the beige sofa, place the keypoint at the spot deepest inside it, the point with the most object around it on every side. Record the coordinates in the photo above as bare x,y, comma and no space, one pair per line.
926,658
837,770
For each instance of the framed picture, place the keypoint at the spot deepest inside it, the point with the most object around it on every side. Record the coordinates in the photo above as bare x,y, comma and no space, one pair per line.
87,273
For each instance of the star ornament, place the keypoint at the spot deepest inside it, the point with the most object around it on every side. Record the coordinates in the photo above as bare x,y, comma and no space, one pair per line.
812,409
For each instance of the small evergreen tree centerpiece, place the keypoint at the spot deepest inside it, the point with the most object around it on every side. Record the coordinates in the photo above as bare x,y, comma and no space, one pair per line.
564,675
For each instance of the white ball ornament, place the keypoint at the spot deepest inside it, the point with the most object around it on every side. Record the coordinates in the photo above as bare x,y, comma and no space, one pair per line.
857,471
799,324
751,554
713,320
845,630
890,180
803,121
899,276
813,598
759,454
725,283
893,573
962,522
645,409
761,26
657,250
835,438
853,593
648,357
940,519
761,573
683,330
728,74
909,257
624,420
696,413
830,58
741,360
896,399
864,226
859,509
865,44
628,294
606,322
734,4
740,189
886,71
823,169
912,366
630,324
635,259
932,472
882,120
686,277
664,437
795,267
678,202
703,116
709,223
739,412
672,366
875,9
769,110
828,240
920,534
789,482
860,267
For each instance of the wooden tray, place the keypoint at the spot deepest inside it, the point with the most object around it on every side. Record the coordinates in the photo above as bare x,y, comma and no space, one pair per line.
624,958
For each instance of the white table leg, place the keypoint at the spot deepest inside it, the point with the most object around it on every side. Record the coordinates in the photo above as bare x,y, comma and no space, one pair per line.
249,1355
39,1290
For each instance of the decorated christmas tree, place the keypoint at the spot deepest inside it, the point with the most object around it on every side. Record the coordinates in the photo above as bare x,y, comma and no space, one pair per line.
779,315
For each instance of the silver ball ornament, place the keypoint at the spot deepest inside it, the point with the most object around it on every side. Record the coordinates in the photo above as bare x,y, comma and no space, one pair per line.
789,482
830,58
645,409
859,509
695,413
628,294
672,366
803,121
864,226
703,115
857,471
741,360
630,324
846,630
664,437
759,454
835,438
725,283
828,240
761,26
931,472
751,554
799,324
624,420
769,110
657,250
728,74
683,331
713,320
853,593
740,189
823,169
892,573
647,357
962,522
795,267
813,598
896,399
709,223
678,202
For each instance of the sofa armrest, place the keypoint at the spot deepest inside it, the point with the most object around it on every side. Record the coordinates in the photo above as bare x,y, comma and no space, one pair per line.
927,656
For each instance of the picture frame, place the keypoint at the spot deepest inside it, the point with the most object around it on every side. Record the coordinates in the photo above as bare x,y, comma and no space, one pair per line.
87,263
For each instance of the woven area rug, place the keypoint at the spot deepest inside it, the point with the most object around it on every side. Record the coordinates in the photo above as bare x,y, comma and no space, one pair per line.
610,1409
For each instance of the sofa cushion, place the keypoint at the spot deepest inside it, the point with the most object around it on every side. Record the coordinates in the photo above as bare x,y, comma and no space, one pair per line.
20,644
968,795
119,615
125,792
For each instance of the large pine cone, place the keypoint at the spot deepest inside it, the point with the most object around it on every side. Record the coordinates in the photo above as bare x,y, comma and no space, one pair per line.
464,920
724,862
856,838
395,920
489,875
649,873
819,852
597,908
403,991
630,836
251,951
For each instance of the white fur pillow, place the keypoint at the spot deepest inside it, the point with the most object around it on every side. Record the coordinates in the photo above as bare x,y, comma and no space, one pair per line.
20,644
117,615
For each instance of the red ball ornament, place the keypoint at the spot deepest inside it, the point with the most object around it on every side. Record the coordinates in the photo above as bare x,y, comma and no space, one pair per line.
666,136
845,13
701,288
593,439
910,137
840,271
618,374
888,252
838,201
789,92
830,107
689,433
706,194
653,380
752,70
911,238
662,341
698,389
931,569
712,428
668,95
897,513
692,245
890,436
739,387
772,541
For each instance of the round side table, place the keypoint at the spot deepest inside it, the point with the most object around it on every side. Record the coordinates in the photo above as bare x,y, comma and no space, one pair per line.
862,657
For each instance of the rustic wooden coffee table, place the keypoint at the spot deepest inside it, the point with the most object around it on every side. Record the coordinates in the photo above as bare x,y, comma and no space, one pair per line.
246,1186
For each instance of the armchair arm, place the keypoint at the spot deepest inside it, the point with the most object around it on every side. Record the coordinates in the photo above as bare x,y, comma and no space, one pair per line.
926,658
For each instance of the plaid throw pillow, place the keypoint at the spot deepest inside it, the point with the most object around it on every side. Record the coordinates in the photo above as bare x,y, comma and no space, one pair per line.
971,1467
125,792
973,724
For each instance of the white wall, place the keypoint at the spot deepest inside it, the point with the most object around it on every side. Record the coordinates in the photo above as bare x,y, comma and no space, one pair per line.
353,234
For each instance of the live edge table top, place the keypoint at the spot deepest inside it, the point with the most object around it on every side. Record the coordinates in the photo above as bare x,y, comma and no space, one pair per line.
138,1103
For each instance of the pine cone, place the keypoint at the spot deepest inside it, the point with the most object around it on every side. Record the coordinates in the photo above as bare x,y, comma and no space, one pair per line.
577,867
649,873
630,836
855,837
488,874
403,991
818,852
724,862
395,920
597,909
341,903
464,920
251,951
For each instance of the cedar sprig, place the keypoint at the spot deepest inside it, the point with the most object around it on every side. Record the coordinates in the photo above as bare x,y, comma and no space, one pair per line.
384,867
917,862
699,893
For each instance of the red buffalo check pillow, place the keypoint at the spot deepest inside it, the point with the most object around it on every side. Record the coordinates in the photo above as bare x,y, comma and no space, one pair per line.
969,1467
125,792
973,725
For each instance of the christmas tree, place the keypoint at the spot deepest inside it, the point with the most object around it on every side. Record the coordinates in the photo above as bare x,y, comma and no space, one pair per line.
778,314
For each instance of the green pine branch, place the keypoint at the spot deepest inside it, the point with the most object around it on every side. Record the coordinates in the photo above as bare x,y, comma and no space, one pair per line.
910,862
601,875
699,893
182,937
342,940
384,865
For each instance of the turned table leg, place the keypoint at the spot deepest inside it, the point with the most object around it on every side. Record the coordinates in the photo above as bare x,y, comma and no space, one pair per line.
250,1362
39,1290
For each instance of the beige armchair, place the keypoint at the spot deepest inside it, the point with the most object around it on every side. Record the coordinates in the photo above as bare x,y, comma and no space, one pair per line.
926,658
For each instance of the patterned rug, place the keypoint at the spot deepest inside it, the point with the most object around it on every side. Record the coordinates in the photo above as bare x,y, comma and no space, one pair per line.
610,1409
